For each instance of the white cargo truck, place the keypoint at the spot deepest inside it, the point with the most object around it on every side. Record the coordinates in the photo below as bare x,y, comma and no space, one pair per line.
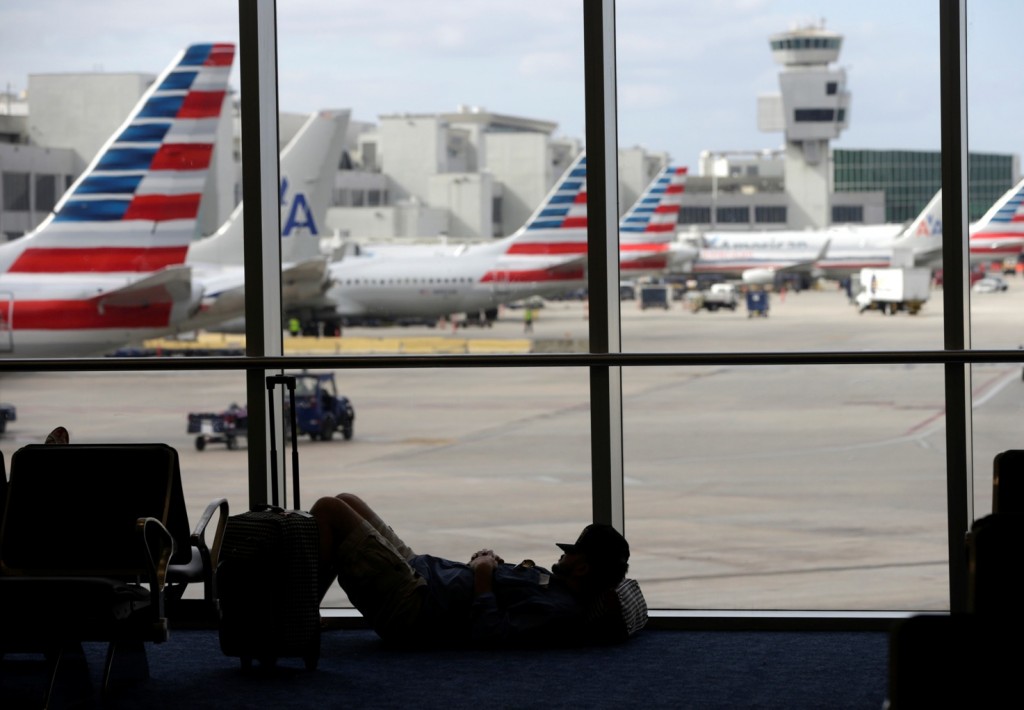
894,290
720,295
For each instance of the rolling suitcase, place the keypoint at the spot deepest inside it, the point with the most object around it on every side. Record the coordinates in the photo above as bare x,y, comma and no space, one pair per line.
267,575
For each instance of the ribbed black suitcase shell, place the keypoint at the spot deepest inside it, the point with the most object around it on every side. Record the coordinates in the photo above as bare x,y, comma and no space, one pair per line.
267,579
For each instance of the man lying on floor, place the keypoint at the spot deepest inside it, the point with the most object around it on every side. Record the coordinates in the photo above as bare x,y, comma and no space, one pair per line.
422,600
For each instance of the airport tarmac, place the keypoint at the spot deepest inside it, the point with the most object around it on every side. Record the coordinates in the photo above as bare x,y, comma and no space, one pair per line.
746,487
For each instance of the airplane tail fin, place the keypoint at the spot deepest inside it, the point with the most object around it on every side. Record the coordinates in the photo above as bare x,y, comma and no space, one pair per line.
308,165
134,207
1000,231
655,216
927,224
558,227
648,228
920,244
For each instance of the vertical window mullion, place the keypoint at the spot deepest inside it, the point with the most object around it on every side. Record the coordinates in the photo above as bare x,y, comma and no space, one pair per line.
603,260
956,297
257,25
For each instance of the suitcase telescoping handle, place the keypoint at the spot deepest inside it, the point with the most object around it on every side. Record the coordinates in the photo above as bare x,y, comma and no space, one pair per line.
289,382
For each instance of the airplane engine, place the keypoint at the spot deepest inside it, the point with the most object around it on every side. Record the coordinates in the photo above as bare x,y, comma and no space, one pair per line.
759,277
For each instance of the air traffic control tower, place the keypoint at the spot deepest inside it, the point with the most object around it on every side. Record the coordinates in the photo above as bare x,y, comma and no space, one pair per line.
812,109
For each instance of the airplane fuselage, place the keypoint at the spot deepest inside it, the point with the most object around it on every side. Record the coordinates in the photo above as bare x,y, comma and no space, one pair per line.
436,286
849,249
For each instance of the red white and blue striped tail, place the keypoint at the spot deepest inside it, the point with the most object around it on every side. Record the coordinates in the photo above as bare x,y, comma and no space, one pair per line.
1000,232
654,217
134,208
648,229
559,226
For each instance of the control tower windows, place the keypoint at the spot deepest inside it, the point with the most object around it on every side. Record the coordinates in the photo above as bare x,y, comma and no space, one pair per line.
831,88
806,43
807,115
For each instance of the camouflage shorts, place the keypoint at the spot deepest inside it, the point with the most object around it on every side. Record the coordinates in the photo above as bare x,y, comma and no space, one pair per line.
380,583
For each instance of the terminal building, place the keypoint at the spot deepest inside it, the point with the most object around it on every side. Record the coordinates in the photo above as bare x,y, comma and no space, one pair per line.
474,174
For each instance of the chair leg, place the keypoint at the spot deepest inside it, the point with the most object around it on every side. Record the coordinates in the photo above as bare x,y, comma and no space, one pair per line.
126,662
70,684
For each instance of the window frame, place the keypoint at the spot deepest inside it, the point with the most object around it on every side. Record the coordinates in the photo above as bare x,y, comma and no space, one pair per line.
606,360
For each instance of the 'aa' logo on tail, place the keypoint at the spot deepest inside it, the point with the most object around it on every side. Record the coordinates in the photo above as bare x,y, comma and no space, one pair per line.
300,216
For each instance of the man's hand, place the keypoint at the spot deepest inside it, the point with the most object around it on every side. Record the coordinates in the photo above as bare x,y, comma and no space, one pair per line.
486,553
483,564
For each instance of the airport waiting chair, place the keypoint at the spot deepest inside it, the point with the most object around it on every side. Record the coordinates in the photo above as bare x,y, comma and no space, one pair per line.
194,560
79,563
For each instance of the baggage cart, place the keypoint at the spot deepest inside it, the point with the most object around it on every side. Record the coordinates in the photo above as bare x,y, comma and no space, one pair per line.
757,304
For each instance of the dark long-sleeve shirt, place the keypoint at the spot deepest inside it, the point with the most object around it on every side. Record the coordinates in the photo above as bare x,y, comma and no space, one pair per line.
529,605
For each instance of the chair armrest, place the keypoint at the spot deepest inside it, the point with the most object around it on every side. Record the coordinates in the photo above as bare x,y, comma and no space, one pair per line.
158,546
210,555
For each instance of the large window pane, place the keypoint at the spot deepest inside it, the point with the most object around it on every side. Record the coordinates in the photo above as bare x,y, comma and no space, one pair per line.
798,117
803,487
997,290
456,460
142,203
122,407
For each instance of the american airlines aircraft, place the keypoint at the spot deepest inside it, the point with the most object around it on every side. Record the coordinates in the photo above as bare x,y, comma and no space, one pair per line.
999,234
544,257
106,267
647,244
837,252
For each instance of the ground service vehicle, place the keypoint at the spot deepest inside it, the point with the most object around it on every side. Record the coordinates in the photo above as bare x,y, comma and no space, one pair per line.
990,284
893,290
319,409
655,296
8,413
720,295
757,304
219,427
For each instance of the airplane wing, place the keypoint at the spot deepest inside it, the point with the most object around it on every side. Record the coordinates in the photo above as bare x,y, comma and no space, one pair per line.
169,285
304,280
767,274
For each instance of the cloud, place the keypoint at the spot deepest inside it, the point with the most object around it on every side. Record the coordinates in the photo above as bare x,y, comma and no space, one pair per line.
645,96
679,61
559,65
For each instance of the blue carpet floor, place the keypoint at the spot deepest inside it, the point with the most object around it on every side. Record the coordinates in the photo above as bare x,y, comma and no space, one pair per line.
656,669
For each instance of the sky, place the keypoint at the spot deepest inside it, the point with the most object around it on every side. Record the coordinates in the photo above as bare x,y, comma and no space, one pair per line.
689,71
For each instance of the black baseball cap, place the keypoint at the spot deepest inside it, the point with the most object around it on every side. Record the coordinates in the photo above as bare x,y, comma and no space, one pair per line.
601,544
